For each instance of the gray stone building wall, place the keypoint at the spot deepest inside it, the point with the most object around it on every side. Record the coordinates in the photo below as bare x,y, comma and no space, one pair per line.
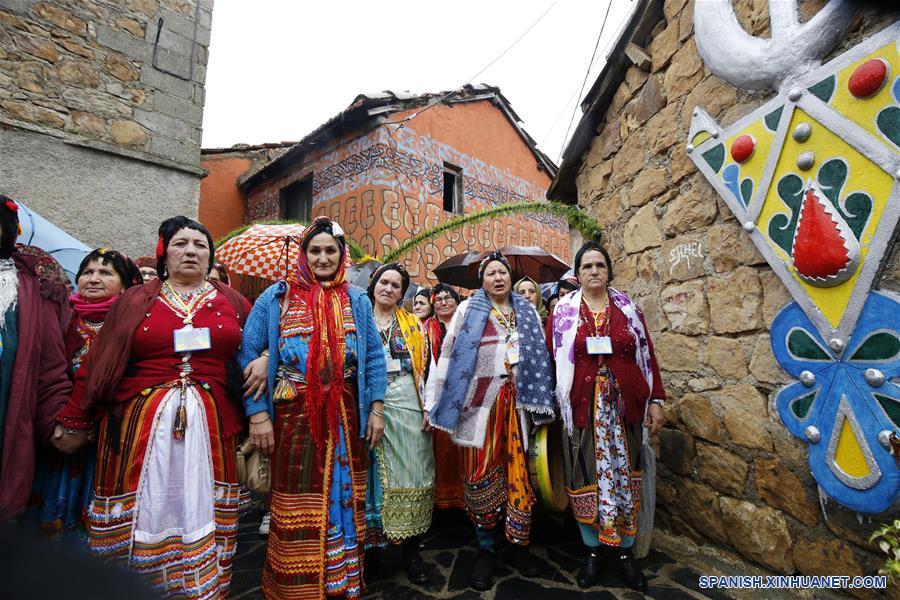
730,475
101,104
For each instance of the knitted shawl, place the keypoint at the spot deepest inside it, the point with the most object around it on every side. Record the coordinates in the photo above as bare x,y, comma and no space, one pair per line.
470,372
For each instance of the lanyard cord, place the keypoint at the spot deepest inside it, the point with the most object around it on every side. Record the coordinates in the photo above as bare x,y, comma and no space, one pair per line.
187,309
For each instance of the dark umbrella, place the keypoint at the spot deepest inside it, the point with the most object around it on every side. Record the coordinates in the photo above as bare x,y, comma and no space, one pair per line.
454,270
525,261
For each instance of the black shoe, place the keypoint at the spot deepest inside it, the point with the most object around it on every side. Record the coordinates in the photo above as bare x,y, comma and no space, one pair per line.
589,572
524,561
412,560
630,571
482,578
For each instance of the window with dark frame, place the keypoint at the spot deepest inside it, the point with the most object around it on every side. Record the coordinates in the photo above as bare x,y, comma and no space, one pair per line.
295,201
453,192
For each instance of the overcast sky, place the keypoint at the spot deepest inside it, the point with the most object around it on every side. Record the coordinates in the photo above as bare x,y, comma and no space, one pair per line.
280,68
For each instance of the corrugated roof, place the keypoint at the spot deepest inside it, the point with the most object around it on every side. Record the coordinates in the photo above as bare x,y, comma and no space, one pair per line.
371,109
644,17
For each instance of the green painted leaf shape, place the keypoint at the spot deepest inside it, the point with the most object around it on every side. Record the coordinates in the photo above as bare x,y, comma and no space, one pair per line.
881,345
773,118
715,157
832,177
802,345
746,191
801,405
824,90
782,227
890,406
859,209
888,122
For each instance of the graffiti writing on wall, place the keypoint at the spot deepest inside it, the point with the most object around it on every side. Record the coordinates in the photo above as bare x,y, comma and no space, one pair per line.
379,219
685,252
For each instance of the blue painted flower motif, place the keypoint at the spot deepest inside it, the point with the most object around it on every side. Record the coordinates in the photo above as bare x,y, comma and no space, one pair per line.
845,404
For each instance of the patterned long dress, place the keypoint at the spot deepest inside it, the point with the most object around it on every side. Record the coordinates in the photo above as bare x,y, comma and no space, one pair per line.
318,522
64,483
448,485
400,493
166,505
496,475
600,458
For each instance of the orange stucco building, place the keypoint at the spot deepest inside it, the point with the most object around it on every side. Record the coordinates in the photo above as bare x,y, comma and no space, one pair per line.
222,203
391,165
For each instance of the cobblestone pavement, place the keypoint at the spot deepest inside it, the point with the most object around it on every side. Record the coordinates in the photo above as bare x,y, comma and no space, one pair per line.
449,550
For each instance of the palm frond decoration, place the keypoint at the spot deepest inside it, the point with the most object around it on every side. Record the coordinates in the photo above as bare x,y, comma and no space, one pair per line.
588,227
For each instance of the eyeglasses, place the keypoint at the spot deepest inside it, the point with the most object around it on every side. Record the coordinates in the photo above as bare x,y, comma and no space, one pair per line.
443,299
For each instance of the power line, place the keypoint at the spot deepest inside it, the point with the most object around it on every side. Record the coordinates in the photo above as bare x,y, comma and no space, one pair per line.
584,82
401,122
561,112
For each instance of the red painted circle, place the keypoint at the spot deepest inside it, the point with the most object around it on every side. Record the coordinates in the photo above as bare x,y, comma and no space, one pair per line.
868,78
742,148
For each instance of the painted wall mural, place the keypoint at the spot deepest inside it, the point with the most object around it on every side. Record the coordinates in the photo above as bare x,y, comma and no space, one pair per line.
384,188
814,177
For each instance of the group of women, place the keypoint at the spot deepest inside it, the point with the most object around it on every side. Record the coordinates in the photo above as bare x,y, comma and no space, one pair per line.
371,416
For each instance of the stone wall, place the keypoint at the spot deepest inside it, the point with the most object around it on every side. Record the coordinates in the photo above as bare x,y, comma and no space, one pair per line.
101,200
86,69
97,135
729,474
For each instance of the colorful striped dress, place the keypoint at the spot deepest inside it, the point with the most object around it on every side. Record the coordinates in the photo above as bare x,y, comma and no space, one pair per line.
166,500
495,476
318,496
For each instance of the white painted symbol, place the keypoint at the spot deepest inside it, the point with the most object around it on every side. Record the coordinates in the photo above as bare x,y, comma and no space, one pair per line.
685,252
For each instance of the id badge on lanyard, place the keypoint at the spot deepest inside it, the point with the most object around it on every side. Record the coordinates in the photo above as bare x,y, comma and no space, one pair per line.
393,364
599,344
191,339
512,349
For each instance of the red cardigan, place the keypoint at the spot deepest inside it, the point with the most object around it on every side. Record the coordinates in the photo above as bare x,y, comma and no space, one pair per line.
628,376
152,360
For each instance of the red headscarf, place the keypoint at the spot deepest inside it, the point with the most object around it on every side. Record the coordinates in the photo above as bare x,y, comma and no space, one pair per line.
325,361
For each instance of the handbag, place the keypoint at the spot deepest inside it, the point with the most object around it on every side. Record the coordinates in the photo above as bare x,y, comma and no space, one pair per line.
252,468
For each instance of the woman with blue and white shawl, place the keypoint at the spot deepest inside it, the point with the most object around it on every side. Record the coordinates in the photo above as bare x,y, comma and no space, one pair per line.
607,386
492,382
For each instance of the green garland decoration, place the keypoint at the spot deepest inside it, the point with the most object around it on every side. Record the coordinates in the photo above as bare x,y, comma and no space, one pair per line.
356,251
588,227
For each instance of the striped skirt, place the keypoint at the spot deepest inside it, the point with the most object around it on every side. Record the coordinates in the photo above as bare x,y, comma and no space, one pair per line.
318,518
167,508
496,481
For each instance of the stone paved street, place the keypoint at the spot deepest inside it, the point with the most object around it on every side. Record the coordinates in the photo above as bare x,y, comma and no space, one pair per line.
449,550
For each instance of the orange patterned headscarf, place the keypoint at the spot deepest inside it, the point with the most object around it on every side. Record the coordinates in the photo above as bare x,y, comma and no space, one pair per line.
325,361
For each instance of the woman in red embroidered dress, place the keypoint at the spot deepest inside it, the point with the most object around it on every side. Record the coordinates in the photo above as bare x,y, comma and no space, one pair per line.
166,497
63,485
608,386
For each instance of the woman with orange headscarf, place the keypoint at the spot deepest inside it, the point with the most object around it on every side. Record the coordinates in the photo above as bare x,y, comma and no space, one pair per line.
316,379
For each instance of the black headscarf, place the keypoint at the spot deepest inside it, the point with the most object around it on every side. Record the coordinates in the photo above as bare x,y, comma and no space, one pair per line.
124,267
392,266
9,226
167,231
